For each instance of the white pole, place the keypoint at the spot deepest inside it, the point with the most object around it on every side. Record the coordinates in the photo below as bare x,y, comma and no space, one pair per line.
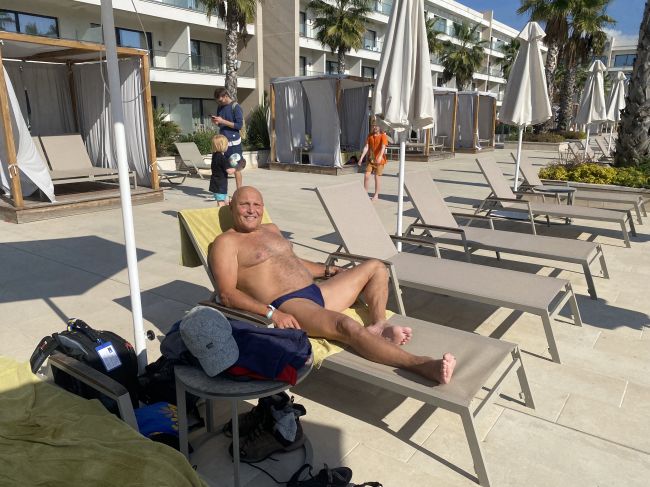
587,141
518,161
123,169
400,188
609,144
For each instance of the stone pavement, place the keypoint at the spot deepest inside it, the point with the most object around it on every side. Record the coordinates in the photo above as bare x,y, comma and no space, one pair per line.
590,427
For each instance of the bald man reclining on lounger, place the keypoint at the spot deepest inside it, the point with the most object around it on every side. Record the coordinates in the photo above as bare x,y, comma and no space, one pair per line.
256,270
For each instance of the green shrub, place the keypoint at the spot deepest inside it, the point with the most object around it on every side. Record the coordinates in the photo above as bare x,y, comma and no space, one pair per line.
632,177
203,140
258,132
532,137
570,134
554,171
593,173
597,174
165,133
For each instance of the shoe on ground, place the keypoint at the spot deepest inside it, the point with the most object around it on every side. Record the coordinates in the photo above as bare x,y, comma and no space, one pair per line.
260,414
262,443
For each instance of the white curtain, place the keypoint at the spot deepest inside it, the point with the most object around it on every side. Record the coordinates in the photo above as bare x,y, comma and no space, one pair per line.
95,120
33,169
465,120
354,117
486,117
444,105
289,120
43,93
326,131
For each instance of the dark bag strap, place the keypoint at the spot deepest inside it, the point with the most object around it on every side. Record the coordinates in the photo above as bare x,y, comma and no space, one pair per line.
43,350
82,327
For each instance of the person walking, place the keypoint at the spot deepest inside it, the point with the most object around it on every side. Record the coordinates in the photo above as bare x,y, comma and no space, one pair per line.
230,120
375,148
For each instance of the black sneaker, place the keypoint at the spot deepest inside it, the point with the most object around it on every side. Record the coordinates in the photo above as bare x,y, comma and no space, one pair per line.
261,443
259,415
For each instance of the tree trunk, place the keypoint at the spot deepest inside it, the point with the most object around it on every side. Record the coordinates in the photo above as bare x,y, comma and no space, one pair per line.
232,38
551,66
340,55
567,95
633,143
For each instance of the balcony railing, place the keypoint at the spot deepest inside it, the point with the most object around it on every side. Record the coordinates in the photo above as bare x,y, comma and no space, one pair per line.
382,6
187,4
180,61
375,45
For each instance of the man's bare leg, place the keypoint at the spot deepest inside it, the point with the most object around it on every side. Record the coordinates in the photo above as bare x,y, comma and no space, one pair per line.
369,279
321,322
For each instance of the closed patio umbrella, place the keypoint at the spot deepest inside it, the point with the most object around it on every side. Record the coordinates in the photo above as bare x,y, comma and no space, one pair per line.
403,97
592,107
615,104
525,101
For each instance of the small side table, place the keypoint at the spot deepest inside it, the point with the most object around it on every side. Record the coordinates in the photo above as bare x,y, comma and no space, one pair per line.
194,380
569,191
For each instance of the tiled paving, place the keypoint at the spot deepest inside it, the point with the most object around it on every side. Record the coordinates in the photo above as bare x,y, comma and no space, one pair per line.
590,427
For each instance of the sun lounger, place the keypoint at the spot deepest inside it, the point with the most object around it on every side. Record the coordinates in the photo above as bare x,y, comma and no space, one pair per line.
480,360
363,236
170,175
600,142
191,157
69,161
438,223
502,198
633,200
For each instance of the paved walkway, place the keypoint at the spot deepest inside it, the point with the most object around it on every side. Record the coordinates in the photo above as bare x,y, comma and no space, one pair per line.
591,424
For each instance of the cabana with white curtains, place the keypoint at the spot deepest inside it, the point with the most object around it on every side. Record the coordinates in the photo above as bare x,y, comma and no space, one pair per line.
475,121
331,110
444,105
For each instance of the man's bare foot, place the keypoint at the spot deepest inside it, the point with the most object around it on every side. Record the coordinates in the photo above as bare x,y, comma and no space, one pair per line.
438,370
399,335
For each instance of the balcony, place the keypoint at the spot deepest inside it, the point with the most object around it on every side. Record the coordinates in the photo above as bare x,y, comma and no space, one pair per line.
382,6
306,30
186,4
374,45
180,61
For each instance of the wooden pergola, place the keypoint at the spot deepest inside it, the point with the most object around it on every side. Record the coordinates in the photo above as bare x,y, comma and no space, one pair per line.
62,51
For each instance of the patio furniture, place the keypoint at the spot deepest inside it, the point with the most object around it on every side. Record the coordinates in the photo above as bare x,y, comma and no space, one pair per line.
601,146
532,181
195,381
438,223
364,237
171,175
480,360
191,157
68,161
502,199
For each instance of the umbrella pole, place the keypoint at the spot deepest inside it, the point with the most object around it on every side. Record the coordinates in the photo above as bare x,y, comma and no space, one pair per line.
117,112
518,162
400,188
609,144
587,141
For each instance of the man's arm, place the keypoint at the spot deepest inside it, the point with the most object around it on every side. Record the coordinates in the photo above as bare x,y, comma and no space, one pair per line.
224,266
321,270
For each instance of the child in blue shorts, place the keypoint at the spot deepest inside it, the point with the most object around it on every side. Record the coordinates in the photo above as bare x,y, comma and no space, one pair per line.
221,167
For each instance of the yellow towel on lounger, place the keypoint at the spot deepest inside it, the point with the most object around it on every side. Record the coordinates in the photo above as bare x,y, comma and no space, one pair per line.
200,227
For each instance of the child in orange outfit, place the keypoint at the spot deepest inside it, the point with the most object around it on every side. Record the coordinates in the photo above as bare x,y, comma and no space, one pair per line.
376,149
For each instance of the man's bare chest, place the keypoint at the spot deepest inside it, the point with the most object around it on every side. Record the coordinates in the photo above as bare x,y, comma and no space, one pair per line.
259,249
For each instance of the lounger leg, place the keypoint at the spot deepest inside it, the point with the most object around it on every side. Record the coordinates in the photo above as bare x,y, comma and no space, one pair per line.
397,290
626,237
637,210
182,418
475,448
590,281
532,223
436,250
603,265
575,311
632,227
550,338
523,379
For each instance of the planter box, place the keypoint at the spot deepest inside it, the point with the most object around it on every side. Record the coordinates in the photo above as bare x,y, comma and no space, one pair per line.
544,146
254,159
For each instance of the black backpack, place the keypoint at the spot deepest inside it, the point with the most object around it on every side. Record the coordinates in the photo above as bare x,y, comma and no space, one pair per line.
104,351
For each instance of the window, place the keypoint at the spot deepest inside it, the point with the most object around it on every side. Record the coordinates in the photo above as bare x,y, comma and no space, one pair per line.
303,66
202,108
440,83
370,40
440,24
24,23
368,72
206,56
622,60
302,24
133,38
331,67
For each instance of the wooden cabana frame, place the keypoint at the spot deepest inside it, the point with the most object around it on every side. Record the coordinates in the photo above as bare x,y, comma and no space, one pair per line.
69,52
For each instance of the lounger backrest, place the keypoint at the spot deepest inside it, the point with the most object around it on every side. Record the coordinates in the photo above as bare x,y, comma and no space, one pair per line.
601,146
494,177
39,148
66,152
530,173
427,200
189,152
353,216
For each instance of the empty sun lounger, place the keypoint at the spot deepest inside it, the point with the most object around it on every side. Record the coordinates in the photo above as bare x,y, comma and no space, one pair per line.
363,236
191,157
480,360
633,200
602,146
437,222
171,175
69,162
502,198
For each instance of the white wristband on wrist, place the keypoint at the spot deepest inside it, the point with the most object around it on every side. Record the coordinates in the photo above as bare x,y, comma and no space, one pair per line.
270,311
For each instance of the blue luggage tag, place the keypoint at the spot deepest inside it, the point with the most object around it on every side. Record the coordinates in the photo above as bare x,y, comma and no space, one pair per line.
108,356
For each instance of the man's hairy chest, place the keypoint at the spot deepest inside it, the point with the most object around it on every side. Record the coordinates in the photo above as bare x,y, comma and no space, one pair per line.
262,248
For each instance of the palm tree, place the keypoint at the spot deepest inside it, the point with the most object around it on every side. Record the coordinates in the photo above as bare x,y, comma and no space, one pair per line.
633,144
340,26
435,45
236,14
587,38
462,61
509,51
553,13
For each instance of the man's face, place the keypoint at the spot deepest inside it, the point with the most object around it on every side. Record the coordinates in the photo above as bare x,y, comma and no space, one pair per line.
223,99
247,210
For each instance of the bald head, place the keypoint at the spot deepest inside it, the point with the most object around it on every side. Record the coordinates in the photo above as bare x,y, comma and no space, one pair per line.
245,190
247,207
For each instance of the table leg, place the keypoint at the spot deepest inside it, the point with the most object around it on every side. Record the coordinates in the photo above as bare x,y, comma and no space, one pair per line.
182,418
235,440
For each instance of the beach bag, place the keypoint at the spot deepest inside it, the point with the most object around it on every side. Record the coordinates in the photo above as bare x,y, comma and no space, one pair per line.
104,351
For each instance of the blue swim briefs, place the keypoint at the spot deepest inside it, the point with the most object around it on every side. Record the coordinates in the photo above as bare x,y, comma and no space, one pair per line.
311,292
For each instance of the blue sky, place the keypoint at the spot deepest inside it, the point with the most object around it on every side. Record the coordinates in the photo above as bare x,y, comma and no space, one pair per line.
628,14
